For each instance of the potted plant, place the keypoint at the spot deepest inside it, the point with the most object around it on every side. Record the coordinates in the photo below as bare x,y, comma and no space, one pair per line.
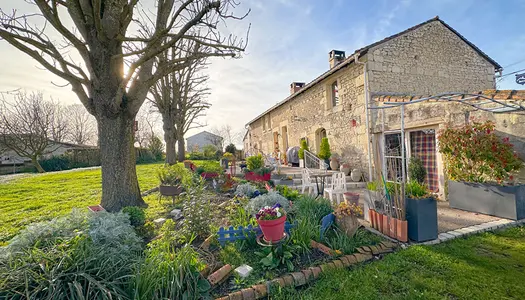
304,146
226,159
421,212
255,169
346,217
345,168
480,166
170,181
271,220
324,151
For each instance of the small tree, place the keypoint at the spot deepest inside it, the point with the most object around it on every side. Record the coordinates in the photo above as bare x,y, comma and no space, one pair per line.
82,126
231,149
324,149
304,146
156,147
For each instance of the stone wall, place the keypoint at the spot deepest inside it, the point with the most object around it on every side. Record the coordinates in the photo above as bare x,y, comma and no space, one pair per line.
311,110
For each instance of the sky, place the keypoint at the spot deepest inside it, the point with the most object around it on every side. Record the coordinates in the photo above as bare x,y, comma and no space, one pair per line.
289,41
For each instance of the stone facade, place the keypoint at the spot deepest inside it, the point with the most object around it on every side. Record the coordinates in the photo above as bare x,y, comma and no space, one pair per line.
429,59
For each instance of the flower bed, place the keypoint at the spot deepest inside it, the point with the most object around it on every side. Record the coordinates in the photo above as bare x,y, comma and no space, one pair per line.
176,256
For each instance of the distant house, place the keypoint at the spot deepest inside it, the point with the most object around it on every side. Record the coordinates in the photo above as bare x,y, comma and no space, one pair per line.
198,141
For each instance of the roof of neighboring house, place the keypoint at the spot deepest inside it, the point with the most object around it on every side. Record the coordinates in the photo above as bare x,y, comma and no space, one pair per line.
359,52
204,132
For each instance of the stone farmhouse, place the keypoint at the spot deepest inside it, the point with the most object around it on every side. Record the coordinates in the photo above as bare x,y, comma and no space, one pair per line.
427,59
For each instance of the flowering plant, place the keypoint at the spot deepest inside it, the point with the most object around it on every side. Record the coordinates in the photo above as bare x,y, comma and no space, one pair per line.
344,209
270,212
474,153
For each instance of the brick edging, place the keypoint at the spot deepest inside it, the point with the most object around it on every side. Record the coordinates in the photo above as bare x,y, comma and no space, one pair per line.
295,279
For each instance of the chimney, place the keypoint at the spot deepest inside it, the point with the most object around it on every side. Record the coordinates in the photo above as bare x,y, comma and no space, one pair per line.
335,57
295,86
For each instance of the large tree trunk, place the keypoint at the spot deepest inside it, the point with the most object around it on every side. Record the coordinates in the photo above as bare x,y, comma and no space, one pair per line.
171,155
120,186
182,147
34,161
170,138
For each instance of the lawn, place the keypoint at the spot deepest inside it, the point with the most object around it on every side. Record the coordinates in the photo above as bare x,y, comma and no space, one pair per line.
44,196
484,266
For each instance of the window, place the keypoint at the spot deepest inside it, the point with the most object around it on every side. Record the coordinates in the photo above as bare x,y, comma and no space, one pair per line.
335,94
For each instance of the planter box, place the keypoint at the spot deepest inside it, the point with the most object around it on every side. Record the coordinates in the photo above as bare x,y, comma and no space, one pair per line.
301,163
422,219
168,190
500,201
256,177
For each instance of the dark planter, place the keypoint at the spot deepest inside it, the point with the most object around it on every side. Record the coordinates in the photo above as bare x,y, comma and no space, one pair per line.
256,177
495,200
168,190
422,219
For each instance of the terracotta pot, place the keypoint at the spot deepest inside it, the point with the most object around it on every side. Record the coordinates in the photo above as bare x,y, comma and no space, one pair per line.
371,216
402,230
385,225
272,229
251,176
351,198
379,221
392,224
334,164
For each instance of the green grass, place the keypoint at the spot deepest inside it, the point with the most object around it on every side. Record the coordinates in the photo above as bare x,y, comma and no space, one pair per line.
484,266
44,196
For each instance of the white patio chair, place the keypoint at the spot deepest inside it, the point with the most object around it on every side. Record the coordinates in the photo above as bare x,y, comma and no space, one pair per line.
306,182
337,187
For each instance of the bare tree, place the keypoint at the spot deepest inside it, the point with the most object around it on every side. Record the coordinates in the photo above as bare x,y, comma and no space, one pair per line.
180,99
28,125
146,128
224,135
118,63
82,127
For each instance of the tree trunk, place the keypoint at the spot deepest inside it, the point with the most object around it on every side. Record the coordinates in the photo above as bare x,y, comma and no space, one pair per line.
171,155
120,186
182,147
34,161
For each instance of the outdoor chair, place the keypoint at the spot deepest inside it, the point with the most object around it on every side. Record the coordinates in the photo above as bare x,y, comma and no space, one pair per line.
306,182
337,187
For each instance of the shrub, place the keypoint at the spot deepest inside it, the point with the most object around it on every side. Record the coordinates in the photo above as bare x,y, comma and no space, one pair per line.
145,156
209,166
416,169
195,155
231,149
137,216
56,163
287,192
198,212
324,149
156,148
269,199
255,162
210,152
474,153
80,256
245,190
304,146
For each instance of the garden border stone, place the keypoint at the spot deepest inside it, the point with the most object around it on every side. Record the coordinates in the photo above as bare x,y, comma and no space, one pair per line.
310,274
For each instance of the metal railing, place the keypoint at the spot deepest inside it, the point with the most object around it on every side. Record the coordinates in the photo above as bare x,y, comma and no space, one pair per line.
312,162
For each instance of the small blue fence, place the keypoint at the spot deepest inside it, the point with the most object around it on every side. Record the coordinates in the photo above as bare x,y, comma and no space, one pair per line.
241,233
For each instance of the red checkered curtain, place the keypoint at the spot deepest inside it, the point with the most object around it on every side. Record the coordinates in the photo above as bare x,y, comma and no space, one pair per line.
423,146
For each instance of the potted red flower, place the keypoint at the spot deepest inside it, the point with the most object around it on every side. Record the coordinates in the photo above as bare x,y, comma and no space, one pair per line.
271,219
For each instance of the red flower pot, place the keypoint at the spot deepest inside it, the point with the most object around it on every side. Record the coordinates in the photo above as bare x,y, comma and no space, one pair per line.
251,176
273,229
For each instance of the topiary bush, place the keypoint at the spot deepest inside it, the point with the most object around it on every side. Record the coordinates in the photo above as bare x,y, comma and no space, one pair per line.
231,149
255,162
324,149
416,170
304,146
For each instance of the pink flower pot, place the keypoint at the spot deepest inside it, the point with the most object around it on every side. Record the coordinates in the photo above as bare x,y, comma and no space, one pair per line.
272,229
